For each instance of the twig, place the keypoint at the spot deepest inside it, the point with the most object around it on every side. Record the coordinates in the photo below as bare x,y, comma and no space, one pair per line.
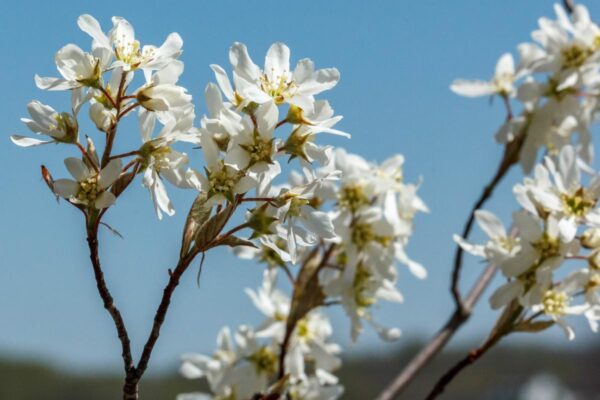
280,123
87,156
123,155
439,341
469,359
109,305
108,96
159,317
510,157
127,110
458,255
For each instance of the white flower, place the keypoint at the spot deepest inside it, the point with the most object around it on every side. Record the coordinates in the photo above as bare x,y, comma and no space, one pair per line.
253,149
128,53
159,159
273,303
500,246
78,69
90,187
61,128
276,83
556,301
222,181
501,84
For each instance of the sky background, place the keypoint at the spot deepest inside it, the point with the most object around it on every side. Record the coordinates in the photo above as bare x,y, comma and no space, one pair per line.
396,58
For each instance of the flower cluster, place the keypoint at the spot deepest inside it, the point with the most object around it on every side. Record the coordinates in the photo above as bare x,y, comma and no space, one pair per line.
335,228
353,230
556,231
556,84
558,225
103,78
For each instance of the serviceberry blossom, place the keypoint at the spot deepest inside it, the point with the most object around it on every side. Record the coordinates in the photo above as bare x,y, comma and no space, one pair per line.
556,224
335,228
555,84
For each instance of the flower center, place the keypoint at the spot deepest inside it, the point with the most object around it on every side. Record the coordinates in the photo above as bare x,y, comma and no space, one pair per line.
88,190
222,181
260,150
281,88
264,360
361,285
577,204
130,52
555,303
575,56
353,197
547,246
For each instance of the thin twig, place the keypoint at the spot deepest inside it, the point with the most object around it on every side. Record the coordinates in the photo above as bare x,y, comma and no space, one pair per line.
440,339
161,312
108,301
123,155
127,110
283,121
87,156
469,359
108,96
458,255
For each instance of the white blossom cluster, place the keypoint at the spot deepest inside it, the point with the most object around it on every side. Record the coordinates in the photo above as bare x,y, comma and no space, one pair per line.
336,229
368,214
102,78
551,256
552,259
556,83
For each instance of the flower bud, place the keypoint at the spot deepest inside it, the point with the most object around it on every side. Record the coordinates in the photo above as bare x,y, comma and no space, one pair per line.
162,97
594,259
591,238
295,115
102,117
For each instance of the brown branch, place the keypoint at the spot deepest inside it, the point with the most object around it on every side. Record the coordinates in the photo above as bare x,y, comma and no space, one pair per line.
458,255
128,154
469,359
108,96
438,342
505,324
87,156
163,308
510,157
109,305
160,315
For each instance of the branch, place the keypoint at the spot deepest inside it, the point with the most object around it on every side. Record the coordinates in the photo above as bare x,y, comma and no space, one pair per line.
504,326
469,359
438,342
510,157
161,312
109,305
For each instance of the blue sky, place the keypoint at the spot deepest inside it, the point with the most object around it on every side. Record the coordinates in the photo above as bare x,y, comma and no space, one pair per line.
396,59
